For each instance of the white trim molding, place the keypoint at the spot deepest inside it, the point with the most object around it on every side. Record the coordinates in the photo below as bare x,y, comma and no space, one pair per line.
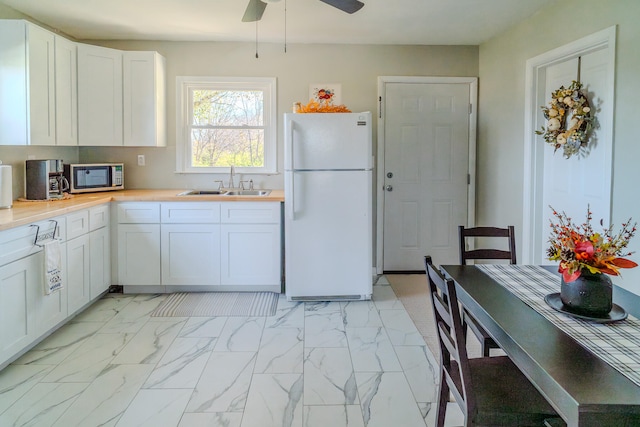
533,119
184,86
472,82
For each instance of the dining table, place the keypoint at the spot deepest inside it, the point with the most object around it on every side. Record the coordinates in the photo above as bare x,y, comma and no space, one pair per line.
587,369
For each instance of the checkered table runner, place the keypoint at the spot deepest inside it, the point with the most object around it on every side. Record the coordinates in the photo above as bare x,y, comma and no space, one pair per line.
618,344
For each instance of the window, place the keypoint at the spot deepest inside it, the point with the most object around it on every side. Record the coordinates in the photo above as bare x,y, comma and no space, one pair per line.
226,121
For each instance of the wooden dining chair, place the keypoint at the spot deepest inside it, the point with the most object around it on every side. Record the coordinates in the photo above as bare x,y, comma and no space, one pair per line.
486,253
468,322
490,391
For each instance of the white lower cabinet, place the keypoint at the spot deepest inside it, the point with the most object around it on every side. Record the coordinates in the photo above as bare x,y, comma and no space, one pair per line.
139,254
78,273
250,254
88,256
251,248
27,312
99,261
19,281
51,309
190,253
194,246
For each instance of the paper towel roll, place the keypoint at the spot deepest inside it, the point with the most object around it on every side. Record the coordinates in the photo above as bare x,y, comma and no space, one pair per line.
6,187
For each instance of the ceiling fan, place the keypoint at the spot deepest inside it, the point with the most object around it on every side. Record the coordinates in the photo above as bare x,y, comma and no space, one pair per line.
256,8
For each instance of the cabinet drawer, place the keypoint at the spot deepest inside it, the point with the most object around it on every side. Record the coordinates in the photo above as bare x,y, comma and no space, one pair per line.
98,217
18,242
190,213
77,224
140,213
250,212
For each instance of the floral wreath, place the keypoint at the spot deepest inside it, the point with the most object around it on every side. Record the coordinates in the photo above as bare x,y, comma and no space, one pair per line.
571,135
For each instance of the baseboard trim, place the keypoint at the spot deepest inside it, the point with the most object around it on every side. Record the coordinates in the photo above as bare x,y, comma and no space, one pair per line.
403,272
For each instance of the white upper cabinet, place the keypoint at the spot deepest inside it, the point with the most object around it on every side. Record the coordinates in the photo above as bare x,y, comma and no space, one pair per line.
66,92
41,85
27,91
99,96
144,89
57,92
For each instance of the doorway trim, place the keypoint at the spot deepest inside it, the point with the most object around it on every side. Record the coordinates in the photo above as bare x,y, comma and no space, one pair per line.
472,82
533,119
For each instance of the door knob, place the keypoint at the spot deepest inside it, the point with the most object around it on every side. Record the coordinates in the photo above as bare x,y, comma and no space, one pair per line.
389,188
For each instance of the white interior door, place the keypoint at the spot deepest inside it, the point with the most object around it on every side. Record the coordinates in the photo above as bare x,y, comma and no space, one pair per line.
570,185
587,179
426,172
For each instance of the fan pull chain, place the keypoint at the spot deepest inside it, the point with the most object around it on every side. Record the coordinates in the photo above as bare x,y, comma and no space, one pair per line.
256,39
285,26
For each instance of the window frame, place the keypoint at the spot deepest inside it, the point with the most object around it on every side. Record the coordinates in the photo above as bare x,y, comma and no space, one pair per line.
184,88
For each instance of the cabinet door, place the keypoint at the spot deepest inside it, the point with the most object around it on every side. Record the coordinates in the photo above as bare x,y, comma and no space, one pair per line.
77,224
139,254
41,45
99,96
138,212
14,104
250,213
100,261
52,309
250,254
190,254
190,213
144,108
66,92
99,216
78,259
18,283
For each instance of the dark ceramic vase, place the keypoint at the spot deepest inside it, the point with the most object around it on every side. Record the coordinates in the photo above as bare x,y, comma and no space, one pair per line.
589,295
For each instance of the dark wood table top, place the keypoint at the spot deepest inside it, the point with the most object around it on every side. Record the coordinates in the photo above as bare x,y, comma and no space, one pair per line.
584,389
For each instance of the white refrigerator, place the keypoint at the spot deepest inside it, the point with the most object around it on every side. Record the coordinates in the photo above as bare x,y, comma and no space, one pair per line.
328,206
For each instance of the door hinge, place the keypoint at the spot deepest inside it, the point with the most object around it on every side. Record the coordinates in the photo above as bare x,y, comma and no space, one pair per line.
470,108
468,179
380,107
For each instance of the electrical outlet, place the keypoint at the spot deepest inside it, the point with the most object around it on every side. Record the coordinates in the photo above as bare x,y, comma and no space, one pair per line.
141,160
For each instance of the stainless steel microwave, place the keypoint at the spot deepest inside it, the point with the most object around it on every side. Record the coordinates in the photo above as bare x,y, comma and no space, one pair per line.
86,178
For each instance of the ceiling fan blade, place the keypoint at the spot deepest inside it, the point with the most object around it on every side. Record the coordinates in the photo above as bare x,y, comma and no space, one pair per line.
349,6
254,11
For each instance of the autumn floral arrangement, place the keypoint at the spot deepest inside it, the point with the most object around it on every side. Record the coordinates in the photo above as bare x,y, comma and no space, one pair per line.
582,250
320,107
573,134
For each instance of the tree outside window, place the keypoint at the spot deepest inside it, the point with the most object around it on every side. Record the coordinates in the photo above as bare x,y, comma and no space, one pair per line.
228,123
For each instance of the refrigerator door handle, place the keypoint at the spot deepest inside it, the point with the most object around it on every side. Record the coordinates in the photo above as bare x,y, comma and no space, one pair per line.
290,202
289,131
289,197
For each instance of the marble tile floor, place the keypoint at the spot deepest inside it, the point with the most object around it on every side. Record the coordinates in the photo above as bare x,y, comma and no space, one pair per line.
336,364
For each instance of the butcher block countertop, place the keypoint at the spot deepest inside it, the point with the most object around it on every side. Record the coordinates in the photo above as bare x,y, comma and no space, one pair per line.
23,213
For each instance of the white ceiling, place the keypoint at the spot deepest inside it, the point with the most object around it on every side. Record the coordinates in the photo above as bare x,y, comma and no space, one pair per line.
422,22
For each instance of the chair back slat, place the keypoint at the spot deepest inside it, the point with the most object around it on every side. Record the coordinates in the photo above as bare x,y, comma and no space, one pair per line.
447,340
442,307
487,253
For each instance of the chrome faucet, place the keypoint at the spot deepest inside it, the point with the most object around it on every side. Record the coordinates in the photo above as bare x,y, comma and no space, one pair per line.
250,184
232,172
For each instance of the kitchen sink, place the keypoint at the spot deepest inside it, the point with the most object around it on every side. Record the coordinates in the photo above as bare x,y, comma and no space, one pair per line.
225,193
202,193
248,193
